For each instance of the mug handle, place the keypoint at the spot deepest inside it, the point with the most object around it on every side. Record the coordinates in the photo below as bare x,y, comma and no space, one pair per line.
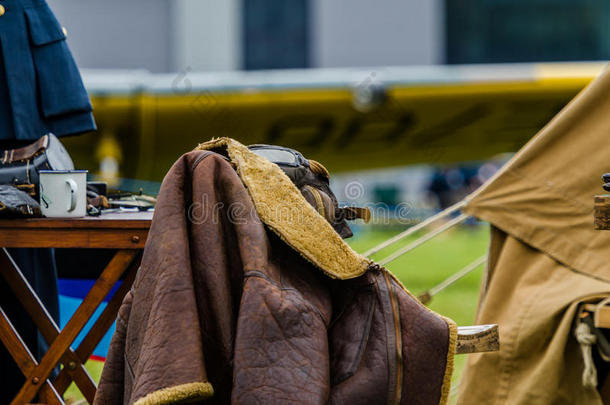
73,189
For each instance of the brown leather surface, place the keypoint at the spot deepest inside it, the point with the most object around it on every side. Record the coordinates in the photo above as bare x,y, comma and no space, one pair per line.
26,152
220,299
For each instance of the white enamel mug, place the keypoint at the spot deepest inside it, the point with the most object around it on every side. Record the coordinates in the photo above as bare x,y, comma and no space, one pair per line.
63,193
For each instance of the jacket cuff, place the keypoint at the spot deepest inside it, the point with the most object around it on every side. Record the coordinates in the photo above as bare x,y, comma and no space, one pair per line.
177,394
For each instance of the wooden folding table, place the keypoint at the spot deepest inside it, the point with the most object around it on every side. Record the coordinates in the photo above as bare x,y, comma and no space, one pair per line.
125,232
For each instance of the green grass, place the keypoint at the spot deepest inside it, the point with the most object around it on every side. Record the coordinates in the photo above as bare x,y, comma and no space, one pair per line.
419,270
94,368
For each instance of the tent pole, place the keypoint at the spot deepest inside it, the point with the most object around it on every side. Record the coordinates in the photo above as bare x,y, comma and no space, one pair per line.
415,228
423,239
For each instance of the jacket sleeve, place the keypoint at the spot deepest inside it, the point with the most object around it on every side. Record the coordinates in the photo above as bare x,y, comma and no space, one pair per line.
157,355
110,390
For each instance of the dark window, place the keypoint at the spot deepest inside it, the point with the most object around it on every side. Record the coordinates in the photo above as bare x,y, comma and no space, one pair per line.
496,31
275,34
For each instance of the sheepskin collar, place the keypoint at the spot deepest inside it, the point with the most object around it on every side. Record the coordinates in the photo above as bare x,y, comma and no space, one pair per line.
281,207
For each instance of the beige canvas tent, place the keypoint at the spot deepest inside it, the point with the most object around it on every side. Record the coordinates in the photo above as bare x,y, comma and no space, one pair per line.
545,258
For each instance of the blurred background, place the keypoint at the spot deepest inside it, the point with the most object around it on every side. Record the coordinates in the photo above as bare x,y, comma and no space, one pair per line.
411,104
388,84
210,35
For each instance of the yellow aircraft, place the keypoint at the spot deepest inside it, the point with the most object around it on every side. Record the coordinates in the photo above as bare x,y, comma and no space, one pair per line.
350,119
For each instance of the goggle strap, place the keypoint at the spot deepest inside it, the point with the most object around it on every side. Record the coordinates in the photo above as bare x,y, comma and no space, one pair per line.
351,213
318,168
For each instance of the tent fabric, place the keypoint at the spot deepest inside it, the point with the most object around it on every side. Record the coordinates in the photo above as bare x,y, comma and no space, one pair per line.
534,299
545,258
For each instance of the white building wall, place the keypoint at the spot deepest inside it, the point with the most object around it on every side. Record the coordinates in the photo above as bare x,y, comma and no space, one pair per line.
374,33
117,34
206,35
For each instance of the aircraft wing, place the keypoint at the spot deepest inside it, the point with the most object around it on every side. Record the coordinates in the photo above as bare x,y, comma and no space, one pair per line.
348,119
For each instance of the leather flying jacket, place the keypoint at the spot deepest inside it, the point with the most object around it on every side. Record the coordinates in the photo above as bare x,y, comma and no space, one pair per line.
239,300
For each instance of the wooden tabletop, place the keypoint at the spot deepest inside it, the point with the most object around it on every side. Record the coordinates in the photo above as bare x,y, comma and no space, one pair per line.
126,219
116,230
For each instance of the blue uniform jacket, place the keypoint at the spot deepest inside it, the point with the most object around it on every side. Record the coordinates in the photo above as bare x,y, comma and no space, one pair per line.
41,89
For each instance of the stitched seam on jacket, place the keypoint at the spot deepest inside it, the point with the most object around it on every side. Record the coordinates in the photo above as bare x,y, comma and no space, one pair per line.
361,346
298,295
131,373
397,332
351,297
390,332
200,158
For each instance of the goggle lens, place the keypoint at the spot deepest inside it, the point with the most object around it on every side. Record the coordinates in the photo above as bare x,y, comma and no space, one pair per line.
278,156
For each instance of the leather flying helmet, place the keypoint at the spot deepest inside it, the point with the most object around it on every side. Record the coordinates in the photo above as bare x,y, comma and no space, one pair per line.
312,179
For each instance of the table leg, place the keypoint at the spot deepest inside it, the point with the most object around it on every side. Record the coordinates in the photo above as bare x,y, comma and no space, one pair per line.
98,292
47,326
48,395
25,360
101,326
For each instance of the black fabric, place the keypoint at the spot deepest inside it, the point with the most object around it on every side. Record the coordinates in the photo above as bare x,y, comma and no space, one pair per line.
15,203
38,266
82,263
6,122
